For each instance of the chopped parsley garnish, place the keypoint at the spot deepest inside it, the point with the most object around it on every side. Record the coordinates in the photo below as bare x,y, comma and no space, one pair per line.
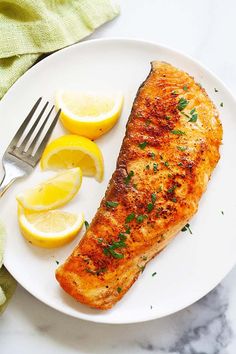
159,210
167,117
144,258
111,204
57,262
110,249
122,236
153,274
128,177
118,244
153,155
181,148
182,104
174,200
222,104
119,289
86,224
177,132
185,88
216,90
129,218
187,228
100,240
140,218
186,115
174,92
150,207
147,167
153,197
172,189
155,166
141,268
193,118
127,231
180,164
166,163
142,145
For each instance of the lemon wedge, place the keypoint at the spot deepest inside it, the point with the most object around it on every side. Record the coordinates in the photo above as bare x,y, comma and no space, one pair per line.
53,192
89,114
71,150
49,229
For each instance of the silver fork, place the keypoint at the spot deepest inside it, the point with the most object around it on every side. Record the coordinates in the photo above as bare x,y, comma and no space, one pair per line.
19,160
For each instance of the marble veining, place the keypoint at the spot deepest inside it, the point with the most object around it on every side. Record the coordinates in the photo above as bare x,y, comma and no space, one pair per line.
205,329
210,335
204,29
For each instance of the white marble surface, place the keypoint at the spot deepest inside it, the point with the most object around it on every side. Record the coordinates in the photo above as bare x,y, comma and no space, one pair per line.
204,29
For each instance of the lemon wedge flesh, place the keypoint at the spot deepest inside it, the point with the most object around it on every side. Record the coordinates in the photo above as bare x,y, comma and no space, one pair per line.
89,114
49,229
71,150
53,192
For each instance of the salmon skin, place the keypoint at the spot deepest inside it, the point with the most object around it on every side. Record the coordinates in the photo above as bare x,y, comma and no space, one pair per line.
169,151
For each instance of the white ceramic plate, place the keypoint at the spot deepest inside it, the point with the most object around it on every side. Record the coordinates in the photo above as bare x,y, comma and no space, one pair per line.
192,264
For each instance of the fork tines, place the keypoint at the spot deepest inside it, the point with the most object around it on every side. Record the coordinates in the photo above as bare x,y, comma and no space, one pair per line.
29,148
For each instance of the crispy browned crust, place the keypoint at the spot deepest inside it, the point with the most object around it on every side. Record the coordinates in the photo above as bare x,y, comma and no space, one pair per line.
178,181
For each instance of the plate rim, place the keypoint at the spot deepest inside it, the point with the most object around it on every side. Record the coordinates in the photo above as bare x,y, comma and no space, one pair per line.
138,41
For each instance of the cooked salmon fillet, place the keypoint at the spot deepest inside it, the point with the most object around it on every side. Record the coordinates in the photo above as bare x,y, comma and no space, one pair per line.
166,159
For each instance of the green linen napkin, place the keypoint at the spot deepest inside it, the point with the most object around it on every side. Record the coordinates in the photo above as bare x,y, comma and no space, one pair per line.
29,28
7,282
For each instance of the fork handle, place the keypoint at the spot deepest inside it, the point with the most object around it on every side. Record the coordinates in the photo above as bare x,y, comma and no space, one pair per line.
6,183
11,172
